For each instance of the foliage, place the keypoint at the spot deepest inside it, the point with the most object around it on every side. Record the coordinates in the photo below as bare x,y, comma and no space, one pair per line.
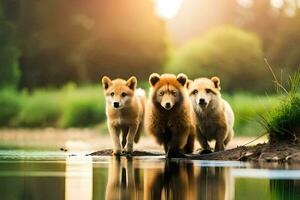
107,37
285,51
234,55
39,109
10,105
73,106
282,122
247,109
83,109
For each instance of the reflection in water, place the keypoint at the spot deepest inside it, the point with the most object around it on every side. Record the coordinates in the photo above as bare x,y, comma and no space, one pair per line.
181,180
285,189
123,180
79,178
32,180
215,183
176,180
82,177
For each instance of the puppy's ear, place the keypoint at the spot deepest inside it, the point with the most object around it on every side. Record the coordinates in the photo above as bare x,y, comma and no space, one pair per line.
188,84
216,81
182,78
154,78
106,82
132,82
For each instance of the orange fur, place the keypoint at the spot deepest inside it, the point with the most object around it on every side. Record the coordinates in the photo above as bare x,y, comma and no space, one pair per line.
174,127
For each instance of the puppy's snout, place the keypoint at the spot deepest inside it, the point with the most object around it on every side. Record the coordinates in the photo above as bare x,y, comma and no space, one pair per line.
116,104
202,102
168,105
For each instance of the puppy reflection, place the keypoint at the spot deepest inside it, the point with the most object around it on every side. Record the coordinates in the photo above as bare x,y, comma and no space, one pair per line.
123,180
175,181
215,183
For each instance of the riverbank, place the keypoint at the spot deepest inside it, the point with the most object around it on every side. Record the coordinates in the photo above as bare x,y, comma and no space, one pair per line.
89,140
99,144
280,153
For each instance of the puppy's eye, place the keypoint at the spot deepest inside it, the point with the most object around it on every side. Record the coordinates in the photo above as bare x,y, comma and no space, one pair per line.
124,94
161,93
173,93
195,92
112,94
208,90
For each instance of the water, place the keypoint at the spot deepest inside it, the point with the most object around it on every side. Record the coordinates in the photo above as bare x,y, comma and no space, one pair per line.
57,175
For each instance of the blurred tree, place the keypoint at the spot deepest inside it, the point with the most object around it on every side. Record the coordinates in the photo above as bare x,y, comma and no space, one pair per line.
285,52
9,53
234,55
77,41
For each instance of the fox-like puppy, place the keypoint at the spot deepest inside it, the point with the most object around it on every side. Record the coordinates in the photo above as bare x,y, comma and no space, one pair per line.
214,115
125,108
169,114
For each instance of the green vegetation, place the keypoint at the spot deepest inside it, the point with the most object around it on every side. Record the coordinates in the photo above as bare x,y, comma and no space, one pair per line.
71,106
248,108
283,122
235,55
10,105
67,107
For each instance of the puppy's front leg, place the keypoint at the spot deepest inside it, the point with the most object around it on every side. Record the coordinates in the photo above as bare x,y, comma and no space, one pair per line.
130,137
114,133
176,144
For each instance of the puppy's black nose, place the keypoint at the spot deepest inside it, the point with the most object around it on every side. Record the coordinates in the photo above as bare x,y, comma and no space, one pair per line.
116,104
202,101
168,105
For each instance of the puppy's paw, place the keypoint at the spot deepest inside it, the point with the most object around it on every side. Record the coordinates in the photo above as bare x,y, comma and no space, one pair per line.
205,151
116,152
175,154
128,149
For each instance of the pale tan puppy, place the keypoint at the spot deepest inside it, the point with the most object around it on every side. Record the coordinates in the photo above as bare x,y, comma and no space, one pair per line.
125,108
214,115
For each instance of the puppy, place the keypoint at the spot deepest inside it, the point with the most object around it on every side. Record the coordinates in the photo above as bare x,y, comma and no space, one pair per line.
214,115
125,107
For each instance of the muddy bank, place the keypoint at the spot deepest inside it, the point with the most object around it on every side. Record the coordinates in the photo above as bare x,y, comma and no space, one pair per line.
283,152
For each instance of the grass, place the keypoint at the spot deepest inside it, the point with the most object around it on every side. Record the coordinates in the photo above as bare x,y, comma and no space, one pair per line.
10,105
72,106
248,108
69,106
283,122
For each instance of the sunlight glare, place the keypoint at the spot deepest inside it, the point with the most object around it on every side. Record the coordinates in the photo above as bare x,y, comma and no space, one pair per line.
277,3
167,9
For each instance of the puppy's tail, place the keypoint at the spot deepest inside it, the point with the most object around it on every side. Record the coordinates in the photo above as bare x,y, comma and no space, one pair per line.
141,94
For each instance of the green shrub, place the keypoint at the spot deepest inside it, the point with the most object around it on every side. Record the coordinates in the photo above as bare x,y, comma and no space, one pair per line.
82,112
283,122
74,106
39,109
10,105
236,56
82,107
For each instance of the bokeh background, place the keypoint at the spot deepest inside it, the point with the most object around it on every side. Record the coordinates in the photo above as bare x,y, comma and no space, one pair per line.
54,52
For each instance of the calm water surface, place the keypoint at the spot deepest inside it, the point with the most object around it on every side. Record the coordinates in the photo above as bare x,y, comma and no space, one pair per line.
57,175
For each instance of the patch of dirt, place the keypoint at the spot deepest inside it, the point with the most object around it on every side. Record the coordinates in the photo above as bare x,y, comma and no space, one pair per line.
108,152
279,152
